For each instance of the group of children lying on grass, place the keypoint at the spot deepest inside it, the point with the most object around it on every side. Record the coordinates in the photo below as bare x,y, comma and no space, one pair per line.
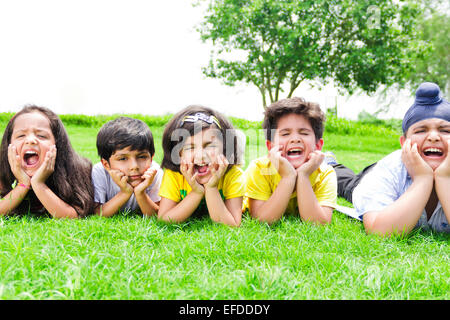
41,173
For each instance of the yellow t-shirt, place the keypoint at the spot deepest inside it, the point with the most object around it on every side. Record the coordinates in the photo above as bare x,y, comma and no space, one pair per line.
175,187
262,179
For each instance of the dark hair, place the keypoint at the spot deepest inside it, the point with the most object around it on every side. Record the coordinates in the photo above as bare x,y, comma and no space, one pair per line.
228,135
71,178
124,132
310,110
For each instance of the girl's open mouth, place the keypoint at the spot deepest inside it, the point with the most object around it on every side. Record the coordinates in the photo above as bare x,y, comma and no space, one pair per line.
31,158
202,170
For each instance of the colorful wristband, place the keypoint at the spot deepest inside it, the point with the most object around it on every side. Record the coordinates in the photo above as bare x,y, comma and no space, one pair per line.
23,185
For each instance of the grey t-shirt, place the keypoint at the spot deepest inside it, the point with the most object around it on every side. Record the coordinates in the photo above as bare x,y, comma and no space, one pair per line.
105,188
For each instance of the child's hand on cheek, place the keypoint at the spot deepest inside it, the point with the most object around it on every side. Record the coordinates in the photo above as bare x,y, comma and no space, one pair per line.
187,170
148,176
284,168
444,168
121,179
415,165
47,167
217,169
16,166
312,163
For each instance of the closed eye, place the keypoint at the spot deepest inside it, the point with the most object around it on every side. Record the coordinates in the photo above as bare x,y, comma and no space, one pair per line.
284,132
210,145
304,132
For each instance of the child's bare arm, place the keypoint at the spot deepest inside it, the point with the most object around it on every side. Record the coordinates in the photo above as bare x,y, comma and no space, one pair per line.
442,182
148,206
52,203
111,207
177,212
273,209
228,212
234,206
220,212
402,215
16,195
9,202
172,211
442,188
14,161
308,205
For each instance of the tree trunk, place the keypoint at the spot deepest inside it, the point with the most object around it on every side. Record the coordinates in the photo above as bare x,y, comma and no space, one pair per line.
294,85
263,95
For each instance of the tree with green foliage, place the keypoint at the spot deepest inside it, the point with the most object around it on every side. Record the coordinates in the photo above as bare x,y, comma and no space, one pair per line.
434,64
277,44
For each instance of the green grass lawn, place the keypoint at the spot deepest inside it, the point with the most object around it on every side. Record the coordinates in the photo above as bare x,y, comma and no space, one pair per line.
131,257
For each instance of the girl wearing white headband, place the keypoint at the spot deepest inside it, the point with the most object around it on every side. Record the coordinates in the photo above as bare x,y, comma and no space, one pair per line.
201,172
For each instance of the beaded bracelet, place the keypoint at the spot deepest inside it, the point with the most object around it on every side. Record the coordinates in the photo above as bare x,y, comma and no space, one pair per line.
23,185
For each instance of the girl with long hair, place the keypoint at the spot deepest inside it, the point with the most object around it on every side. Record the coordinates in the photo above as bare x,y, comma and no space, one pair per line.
40,172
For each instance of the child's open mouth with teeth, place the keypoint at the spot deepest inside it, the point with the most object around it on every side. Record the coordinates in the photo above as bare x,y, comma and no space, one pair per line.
30,158
201,169
433,152
294,153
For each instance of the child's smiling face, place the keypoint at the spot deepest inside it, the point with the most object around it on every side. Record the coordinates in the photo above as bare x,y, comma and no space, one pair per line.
296,139
202,149
32,137
430,136
132,163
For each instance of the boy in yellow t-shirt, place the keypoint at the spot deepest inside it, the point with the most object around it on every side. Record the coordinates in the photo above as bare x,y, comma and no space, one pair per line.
292,179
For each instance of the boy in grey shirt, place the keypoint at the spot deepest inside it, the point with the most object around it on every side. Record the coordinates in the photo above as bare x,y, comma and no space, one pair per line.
126,177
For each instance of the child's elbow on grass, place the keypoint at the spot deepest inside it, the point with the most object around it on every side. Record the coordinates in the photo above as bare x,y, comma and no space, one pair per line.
264,219
324,218
325,221
375,227
168,219
327,215
235,223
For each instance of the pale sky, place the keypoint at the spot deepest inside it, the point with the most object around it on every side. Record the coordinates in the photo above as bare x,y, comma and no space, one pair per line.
133,56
